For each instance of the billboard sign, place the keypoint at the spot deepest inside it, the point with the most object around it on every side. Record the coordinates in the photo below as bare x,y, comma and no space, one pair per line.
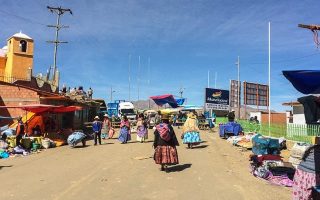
216,99
256,94
235,95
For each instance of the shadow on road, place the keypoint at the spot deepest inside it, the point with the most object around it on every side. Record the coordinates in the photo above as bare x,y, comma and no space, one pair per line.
80,147
200,147
178,168
105,143
139,142
5,166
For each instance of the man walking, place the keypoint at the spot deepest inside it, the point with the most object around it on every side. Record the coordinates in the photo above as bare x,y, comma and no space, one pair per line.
96,127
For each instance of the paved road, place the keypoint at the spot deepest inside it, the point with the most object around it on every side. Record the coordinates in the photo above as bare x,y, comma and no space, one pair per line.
214,170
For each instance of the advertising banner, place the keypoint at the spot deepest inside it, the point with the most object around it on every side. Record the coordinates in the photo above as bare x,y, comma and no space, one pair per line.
216,99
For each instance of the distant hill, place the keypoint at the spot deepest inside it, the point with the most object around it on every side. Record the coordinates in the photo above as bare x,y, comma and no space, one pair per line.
145,104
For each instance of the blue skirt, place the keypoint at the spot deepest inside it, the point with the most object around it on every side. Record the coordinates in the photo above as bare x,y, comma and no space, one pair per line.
124,135
191,137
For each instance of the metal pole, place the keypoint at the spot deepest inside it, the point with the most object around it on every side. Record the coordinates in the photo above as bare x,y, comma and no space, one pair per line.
238,87
215,80
129,77
56,47
139,80
111,94
208,78
269,76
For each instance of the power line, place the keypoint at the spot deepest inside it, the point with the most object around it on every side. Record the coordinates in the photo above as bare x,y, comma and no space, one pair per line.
22,18
284,61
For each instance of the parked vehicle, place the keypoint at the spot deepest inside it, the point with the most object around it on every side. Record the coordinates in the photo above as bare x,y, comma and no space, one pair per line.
150,117
127,108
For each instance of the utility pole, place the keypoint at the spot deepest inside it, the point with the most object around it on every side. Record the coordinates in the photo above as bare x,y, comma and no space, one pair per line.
314,28
238,64
59,11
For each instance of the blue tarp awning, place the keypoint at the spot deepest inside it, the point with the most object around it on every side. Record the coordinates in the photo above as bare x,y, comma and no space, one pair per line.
305,81
165,99
180,101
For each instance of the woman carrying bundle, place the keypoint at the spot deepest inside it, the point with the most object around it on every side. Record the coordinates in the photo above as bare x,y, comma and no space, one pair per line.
191,134
165,142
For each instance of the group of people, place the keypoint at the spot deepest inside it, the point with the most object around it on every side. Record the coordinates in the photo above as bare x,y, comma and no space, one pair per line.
102,129
165,139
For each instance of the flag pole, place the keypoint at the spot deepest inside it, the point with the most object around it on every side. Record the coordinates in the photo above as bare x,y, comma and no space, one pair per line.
269,62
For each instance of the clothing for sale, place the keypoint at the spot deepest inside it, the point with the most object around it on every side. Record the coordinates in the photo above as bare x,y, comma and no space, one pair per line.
311,160
311,108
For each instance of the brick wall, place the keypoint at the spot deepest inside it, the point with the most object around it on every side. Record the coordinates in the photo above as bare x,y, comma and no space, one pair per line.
15,96
276,118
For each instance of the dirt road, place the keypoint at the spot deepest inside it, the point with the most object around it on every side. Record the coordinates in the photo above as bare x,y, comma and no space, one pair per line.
214,170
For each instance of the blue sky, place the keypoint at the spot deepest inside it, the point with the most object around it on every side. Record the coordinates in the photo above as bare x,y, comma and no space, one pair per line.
183,39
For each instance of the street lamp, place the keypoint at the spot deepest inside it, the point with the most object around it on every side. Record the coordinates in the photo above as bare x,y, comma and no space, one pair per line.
181,91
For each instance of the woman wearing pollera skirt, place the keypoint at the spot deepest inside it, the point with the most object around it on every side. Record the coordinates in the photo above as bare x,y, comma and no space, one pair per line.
165,142
142,131
191,134
125,134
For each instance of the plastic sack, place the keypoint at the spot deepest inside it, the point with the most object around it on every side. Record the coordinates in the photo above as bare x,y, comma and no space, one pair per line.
4,155
260,145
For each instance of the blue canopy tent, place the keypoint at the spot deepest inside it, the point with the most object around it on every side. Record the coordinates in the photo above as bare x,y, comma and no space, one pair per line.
305,81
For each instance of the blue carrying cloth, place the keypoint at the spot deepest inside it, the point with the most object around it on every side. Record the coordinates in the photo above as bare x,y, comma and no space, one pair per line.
75,138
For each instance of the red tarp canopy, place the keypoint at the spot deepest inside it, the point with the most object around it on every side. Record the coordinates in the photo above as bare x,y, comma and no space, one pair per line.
163,99
39,108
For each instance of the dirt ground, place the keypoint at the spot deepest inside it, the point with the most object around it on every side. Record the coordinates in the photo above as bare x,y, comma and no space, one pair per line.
213,170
